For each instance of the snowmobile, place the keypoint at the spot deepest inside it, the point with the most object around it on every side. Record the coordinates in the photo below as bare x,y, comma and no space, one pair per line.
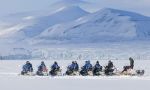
27,73
72,72
97,71
43,73
132,72
129,72
56,72
109,71
84,72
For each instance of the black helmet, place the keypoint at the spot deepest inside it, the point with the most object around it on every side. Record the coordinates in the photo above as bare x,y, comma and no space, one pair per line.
55,62
97,61
130,58
42,62
73,62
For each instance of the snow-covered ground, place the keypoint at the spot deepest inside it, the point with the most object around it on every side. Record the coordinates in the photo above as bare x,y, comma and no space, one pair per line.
10,80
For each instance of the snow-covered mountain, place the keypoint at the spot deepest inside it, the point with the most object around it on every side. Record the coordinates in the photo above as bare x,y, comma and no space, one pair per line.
35,26
104,25
71,24
105,31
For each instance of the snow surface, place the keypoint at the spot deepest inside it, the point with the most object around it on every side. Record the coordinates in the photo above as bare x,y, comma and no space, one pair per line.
10,80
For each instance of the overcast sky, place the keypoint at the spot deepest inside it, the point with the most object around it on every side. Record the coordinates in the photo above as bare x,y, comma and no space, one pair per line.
13,6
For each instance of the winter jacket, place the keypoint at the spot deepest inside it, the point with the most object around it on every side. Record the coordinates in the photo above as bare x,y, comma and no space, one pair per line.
87,66
27,67
55,67
42,67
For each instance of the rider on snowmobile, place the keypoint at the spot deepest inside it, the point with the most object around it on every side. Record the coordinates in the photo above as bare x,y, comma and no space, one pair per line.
27,68
97,68
41,69
131,66
54,68
71,69
109,68
76,66
86,68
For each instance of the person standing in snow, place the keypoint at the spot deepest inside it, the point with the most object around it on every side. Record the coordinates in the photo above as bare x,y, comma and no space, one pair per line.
131,63
131,66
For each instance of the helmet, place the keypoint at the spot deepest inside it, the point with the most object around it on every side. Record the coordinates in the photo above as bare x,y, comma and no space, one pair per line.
73,62
55,62
130,58
27,62
97,61
86,62
42,62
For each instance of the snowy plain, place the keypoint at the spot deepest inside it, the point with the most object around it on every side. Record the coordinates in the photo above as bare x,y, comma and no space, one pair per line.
11,80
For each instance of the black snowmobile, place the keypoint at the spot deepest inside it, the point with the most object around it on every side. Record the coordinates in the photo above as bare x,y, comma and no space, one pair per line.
128,70
27,73
85,72
109,69
97,71
70,72
55,72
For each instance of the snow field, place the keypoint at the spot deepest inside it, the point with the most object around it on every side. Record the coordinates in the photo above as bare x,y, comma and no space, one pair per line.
10,80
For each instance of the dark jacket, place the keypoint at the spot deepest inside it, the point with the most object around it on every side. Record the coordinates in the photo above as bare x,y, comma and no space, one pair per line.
28,67
55,67
131,62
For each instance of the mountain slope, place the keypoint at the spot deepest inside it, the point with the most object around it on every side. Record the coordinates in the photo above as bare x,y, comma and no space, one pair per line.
64,14
35,26
104,25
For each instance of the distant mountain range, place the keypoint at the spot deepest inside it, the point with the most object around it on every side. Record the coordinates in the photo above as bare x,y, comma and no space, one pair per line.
71,24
